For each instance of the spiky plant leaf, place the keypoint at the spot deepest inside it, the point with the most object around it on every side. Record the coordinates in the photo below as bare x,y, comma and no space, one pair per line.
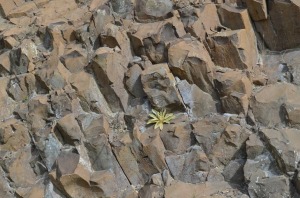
159,118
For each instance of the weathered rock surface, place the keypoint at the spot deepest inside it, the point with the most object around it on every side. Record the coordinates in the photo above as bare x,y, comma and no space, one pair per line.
160,86
80,78
271,105
234,88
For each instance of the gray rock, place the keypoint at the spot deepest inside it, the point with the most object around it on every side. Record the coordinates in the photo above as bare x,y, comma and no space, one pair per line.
133,81
19,62
254,146
148,10
231,145
5,189
208,130
284,146
277,186
177,136
234,172
102,158
191,167
198,102
122,7
51,151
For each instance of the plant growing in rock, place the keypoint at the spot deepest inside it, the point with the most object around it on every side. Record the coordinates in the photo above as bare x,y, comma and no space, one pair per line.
159,118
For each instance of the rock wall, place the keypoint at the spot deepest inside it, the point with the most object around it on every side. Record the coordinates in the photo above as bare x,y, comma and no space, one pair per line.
79,78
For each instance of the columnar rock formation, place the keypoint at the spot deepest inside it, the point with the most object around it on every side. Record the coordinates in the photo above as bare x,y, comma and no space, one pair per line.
79,78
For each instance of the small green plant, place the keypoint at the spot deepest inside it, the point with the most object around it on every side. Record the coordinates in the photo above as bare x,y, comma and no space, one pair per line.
159,118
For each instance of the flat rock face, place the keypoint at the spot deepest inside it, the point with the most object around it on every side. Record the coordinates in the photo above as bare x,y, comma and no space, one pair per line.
149,98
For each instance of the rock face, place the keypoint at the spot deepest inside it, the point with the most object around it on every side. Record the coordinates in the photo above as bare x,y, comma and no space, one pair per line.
79,80
160,86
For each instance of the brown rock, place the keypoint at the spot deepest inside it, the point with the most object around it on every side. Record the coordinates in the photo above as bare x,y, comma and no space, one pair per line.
233,49
151,39
152,191
275,30
6,7
11,42
109,68
268,103
257,9
89,93
69,129
14,135
177,135
20,170
152,10
160,86
22,10
36,191
189,60
22,21
113,36
75,186
208,130
234,88
93,125
129,165
74,59
5,65
292,110
238,19
233,139
40,3
45,16
153,147
197,24
106,181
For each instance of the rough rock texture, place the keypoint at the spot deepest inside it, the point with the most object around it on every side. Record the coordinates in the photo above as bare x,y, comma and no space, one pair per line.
79,79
